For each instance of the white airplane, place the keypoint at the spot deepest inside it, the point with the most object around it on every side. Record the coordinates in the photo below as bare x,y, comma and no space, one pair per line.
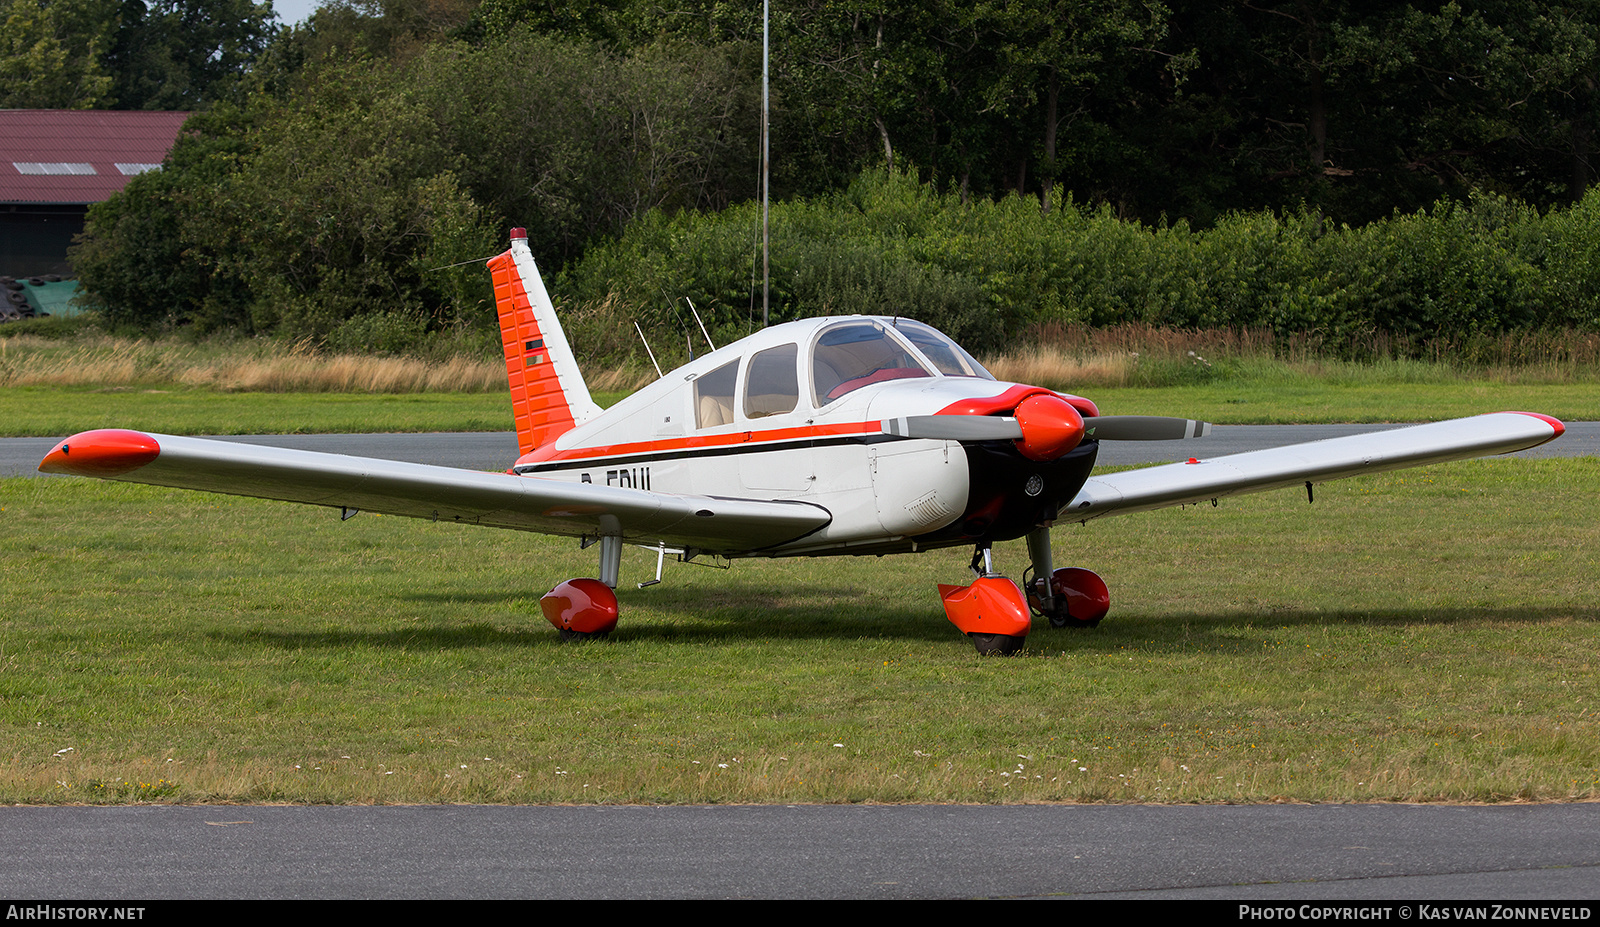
854,435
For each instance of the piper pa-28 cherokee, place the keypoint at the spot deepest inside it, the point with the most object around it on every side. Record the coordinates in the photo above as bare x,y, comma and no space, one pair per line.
855,435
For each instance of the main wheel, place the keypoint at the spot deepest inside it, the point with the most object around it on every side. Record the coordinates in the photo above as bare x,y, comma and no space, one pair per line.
584,635
1080,598
1003,645
581,609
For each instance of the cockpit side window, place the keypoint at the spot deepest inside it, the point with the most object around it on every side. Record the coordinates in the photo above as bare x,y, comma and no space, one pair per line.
713,396
937,347
772,385
856,354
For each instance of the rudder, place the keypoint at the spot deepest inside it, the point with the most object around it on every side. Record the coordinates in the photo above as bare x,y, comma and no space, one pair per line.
548,394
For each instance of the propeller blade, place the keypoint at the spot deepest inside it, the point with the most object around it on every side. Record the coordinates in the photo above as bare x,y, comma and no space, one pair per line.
955,427
1044,426
1144,428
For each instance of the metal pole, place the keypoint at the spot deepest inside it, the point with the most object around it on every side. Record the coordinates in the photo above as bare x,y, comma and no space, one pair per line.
766,268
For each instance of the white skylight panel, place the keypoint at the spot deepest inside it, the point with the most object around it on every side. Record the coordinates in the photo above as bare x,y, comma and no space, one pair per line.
67,168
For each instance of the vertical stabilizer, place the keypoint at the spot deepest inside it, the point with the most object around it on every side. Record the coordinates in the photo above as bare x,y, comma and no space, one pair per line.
548,395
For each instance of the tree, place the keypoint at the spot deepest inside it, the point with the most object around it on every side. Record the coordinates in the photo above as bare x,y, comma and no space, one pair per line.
1361,108
50,53
574,141
1054,61
149,254
344,208
181,54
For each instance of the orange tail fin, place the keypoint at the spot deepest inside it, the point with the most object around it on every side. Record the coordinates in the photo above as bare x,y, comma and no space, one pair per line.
548,395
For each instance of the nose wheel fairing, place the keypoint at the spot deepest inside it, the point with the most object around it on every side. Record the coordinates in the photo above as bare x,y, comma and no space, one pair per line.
994,612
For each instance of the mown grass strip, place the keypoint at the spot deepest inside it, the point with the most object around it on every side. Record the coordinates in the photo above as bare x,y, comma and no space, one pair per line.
1423,636
48,412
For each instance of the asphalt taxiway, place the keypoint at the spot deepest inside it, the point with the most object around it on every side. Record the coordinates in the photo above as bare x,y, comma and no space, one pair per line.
1277,853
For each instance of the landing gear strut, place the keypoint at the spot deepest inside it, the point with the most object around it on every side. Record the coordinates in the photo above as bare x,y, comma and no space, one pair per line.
1069,597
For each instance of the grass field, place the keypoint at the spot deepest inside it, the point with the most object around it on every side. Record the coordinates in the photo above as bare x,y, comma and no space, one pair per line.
1428,635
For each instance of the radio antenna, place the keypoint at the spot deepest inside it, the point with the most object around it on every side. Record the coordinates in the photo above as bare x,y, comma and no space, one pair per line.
688,336
701,324
647,349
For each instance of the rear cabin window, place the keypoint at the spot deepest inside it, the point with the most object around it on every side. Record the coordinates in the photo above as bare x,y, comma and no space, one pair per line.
772,385
713,396
856,354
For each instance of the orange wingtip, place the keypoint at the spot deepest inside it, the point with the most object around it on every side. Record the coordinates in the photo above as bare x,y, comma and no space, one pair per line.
106,452
1552,422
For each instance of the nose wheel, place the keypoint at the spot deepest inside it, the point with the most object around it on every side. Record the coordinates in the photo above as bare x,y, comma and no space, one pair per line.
997,645
992,611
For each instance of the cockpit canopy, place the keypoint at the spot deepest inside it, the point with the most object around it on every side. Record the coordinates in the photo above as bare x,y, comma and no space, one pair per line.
849,355
841,358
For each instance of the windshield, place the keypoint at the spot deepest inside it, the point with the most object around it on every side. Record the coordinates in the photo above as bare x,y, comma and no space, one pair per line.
855,354
945,354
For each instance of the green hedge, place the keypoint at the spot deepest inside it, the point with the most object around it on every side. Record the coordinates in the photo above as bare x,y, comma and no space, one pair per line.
987,272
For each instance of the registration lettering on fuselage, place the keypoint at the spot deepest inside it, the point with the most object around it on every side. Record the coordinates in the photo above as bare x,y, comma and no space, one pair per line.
629,477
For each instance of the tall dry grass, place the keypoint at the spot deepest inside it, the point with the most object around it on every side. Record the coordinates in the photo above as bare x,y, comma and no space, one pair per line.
1050,366
1066,357
624,379
1062,357
250,366
1056,356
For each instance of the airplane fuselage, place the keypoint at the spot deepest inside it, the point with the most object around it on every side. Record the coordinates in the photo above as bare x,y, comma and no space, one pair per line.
725,425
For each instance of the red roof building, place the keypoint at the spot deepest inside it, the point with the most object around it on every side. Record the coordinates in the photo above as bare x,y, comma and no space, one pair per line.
55,162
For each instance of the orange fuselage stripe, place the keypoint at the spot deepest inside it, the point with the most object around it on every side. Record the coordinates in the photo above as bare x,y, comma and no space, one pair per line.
976,406
697,442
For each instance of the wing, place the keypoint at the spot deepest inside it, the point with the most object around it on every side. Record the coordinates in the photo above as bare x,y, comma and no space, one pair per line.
391,487
1315,462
